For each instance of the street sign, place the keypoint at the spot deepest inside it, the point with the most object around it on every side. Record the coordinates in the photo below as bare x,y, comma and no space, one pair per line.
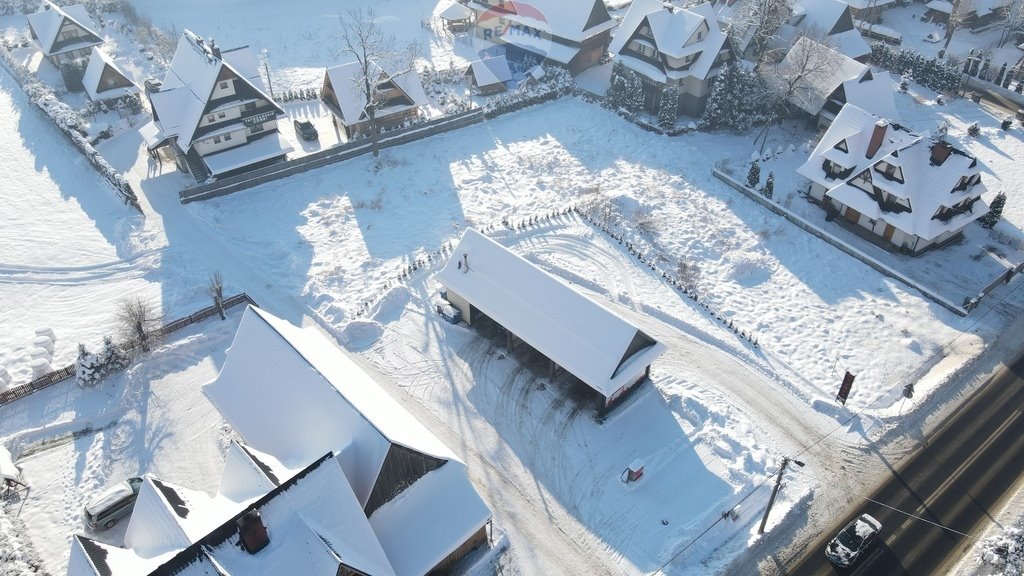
844,388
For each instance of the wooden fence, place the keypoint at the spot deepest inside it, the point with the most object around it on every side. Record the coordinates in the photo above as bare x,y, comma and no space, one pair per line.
225,186
50,378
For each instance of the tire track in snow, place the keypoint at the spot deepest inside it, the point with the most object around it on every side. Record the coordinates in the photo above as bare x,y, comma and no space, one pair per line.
70,275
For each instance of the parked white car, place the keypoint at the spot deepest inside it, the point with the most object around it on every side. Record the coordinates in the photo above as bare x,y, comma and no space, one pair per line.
853,540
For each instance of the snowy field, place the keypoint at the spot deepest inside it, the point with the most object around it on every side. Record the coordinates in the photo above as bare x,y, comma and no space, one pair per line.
717,418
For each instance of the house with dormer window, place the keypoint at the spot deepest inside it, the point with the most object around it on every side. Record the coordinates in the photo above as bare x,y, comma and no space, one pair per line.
399,96
213,113
671,46
63,33
912,192
572,33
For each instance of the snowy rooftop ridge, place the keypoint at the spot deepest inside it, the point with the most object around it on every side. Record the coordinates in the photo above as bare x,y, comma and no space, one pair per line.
576,332
50,18
99,63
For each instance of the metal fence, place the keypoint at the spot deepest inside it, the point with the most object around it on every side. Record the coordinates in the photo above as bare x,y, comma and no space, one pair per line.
50,378
225,186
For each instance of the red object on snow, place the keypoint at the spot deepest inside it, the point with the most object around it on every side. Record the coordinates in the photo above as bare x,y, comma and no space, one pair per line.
635,471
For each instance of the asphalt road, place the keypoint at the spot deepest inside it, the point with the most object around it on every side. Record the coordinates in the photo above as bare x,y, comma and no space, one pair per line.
957,479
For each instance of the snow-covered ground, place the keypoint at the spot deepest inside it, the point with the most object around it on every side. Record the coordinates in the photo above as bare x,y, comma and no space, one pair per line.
315,248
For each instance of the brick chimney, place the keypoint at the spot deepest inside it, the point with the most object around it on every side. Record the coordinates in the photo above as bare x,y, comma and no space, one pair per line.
940,151
252,532
876,138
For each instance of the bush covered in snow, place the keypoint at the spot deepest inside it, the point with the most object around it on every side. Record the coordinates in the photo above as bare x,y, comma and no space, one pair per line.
88,369
17,556
1005,551
556,82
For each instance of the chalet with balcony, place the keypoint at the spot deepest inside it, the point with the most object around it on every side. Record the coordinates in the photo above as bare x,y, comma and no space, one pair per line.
104,81
910,192
672,46
63,33
212,112
820,81
572,33
399,98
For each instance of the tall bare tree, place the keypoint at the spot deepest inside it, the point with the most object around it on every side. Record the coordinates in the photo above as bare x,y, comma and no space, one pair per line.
958,16
1013,24
139,321
807,64
760,20
365,42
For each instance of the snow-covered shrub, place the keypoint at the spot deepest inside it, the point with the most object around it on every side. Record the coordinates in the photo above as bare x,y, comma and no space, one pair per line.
974,130
669,108
754,174
113,358
73,71
557,82
1005,551
17,555
88,369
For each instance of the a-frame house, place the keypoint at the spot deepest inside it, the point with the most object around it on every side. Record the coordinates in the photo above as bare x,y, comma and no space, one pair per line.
63,34
104,80
212,111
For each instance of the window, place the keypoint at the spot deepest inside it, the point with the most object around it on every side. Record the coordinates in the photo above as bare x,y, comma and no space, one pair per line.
700,35
216,139
889,171
224,85
221,114
210,118
841,145
249,106
227,137
257,128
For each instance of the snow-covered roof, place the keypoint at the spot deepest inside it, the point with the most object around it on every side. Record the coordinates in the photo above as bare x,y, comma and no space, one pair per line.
314,522
673,29
249,473
292,393
491,71
874,95
927,186
48,21
824,18
346,81
816,71
456,11
943,6
99,63
190,80
265,148
413,550
8,469
580,335
574,20
864,4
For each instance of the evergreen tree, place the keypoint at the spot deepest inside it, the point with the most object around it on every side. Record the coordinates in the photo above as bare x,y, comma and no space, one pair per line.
73,71
87,369
615,98
669,109
769,186
995,211
736,102
634,92
983,74
113,358
754,175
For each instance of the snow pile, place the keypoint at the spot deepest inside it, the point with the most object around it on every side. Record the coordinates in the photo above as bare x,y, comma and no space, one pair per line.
1004,551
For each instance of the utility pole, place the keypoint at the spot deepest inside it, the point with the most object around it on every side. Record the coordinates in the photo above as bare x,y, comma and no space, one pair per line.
775,492
269,85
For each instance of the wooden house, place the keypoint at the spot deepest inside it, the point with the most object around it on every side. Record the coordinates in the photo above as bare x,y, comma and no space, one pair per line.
672,47
212,111
104,80
400,97
911,192
63,33
572,33
490,75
